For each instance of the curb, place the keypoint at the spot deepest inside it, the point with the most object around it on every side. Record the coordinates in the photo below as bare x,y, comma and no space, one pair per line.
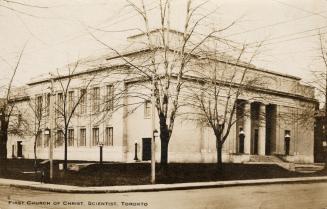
155,187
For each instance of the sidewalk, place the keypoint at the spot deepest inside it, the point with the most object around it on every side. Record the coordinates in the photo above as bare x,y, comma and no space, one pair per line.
155,187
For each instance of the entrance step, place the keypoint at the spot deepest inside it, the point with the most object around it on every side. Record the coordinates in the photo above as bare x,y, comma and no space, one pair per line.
271,159
308,168
266,158
282,162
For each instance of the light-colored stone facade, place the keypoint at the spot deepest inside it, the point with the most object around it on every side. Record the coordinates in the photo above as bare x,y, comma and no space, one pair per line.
273,126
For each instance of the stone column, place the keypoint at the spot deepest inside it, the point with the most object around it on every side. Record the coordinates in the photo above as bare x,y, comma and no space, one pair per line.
262,130
247,128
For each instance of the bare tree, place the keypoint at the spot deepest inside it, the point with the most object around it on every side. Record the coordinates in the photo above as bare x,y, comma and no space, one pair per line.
20,7
67,102
6,113
39,112
320,78
166,61
215,96
320,82
323,75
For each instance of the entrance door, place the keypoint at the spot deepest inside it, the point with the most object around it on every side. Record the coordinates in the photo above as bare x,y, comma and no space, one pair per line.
256,141
146,149
287,146
19,149
241,145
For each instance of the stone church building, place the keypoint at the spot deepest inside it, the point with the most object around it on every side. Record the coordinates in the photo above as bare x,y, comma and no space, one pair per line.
274,125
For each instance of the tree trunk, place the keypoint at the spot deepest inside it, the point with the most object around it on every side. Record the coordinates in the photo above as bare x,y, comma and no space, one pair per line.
164,139
164,151
35,163
65,144
219,154
3,157
3,145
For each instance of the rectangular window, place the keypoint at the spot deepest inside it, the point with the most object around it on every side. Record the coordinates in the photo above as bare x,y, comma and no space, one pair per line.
96,100
39,106
95,136
70,137
147,109
109,137
70,101
59,138
83,107
46,140
60,103
39,139
109,97
82,137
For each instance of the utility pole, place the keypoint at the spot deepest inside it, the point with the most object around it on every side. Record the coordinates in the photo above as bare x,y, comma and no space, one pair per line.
324,56
153,147
51,117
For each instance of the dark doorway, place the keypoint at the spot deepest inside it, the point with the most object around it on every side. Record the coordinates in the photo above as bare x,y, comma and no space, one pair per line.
146,149
287,139
19,149
287,146
256,141
241,142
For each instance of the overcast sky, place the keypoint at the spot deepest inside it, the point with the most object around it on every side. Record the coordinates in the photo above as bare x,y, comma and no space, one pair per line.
58,34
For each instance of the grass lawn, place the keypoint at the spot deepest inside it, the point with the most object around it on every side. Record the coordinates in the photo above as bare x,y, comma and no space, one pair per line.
139,173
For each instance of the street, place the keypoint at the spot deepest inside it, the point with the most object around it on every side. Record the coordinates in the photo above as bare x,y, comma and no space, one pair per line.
288,196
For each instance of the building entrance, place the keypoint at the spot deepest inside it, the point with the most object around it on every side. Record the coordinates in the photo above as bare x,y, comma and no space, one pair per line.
146,149
241,143
19,149
287,146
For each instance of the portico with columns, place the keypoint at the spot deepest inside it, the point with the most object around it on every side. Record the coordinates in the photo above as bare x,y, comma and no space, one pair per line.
254,134
264,129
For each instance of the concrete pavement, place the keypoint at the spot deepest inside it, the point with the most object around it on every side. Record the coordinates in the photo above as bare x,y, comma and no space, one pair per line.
154,187
269,196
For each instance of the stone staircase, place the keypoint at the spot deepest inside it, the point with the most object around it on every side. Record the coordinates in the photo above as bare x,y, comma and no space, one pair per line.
271,159
282,162
309,168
